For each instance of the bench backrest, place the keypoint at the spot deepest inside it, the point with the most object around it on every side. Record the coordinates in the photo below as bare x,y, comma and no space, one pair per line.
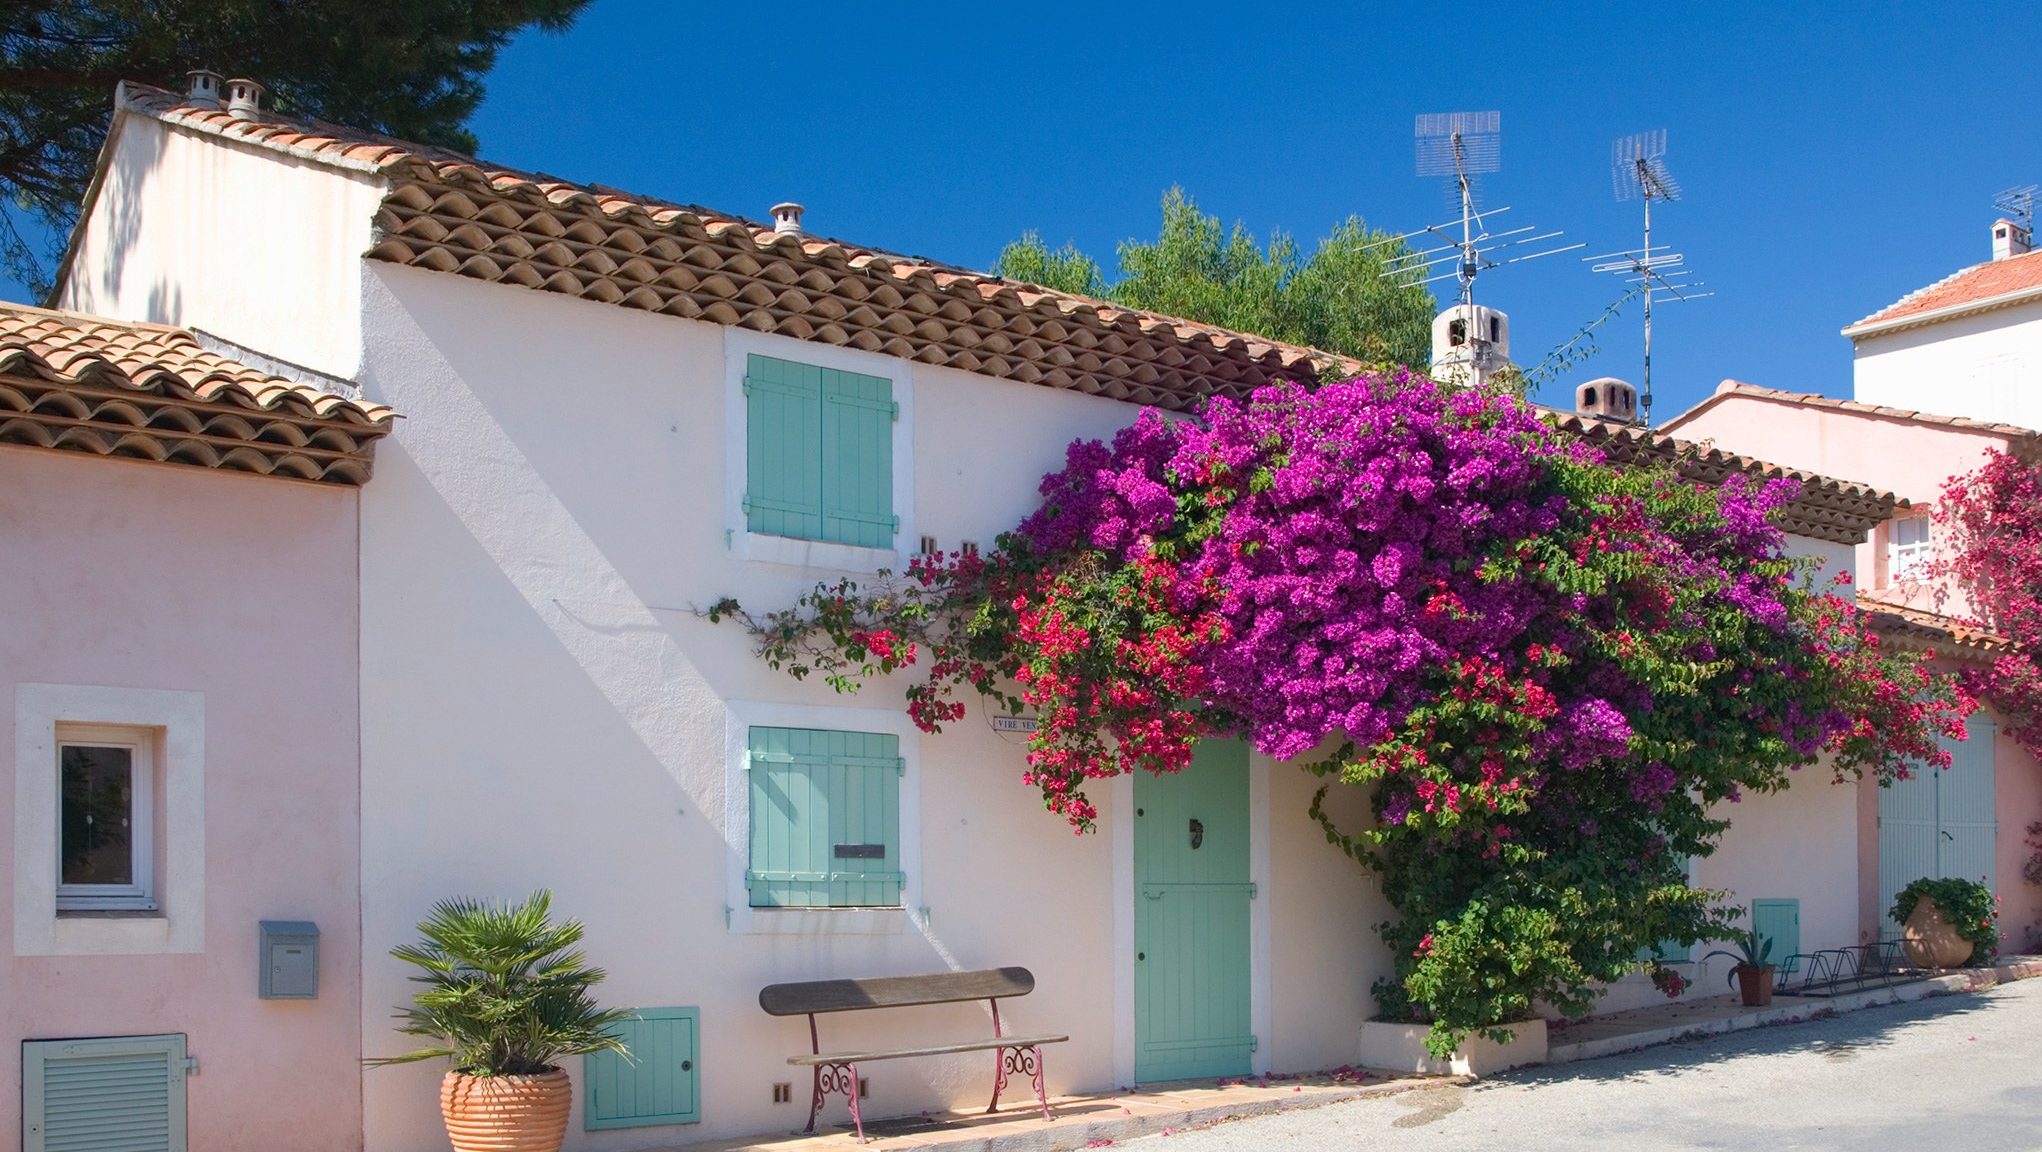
894,991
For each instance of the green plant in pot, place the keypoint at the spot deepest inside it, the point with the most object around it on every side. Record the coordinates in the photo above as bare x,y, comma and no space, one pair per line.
1752,970
505,993
1946,923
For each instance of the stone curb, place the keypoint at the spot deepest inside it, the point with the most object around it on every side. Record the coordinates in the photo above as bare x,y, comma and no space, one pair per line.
1114,1130
1962,980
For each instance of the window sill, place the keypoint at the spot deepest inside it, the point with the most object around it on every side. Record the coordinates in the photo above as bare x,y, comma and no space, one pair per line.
797,553
110,914
820,921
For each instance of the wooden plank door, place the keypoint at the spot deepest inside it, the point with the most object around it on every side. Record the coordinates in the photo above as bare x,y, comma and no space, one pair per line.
1191,933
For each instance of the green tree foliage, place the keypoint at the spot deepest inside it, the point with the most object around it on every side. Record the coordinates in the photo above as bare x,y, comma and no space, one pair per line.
1335,299
411,68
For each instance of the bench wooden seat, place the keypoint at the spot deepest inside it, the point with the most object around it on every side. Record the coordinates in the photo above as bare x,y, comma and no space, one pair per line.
931,1050
838,1071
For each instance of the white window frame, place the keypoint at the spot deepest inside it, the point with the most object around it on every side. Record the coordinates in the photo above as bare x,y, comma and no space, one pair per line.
1904,561
177,925
139,896
739,345
740,717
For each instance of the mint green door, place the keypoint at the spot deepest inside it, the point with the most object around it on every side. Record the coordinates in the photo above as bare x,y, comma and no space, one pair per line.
1191,1016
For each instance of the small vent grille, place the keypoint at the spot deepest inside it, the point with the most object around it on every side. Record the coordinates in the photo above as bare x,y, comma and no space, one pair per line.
928,545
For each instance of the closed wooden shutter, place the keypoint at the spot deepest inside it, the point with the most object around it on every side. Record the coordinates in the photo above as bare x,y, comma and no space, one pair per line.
657,1085
857,459
783,448
124,1094
1780,922
825,818
1967,821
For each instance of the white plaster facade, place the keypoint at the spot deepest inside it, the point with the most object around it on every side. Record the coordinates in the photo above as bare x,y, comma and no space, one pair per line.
1982,365
540,706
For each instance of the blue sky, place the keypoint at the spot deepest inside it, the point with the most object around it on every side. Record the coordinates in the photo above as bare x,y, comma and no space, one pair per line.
1833,157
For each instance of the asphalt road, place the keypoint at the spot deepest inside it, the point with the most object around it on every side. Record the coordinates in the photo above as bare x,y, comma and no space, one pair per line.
1953,1072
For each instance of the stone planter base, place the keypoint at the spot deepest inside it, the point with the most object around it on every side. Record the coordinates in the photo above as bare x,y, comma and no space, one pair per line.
1401,1048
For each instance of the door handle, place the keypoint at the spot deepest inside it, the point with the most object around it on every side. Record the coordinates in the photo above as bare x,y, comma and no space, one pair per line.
1197,835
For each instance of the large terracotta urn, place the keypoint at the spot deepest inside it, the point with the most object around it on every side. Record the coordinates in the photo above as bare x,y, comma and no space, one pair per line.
506,1113
1931,941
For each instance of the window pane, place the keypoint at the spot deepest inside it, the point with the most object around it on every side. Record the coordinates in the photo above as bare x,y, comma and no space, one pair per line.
98,805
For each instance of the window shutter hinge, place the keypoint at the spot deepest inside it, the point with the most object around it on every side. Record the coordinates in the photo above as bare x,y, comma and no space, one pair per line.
1253,891
191,1065
1254,1043
896,525
893,410
751,880
900,766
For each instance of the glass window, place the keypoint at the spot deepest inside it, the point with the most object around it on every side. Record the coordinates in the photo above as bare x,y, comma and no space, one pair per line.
1908,547
104,820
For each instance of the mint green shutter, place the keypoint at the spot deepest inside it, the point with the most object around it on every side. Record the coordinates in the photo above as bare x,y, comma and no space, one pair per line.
1966,816
124,1094
825,818
857,459
657,1085
1780,922
783,448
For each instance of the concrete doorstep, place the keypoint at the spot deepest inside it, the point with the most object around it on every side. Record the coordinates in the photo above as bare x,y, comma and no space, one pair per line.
1097,1121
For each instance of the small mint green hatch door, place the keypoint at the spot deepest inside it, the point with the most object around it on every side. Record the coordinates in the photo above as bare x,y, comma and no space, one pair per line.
1191,918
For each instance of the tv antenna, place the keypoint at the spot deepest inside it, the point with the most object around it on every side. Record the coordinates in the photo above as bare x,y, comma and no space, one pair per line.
1638,172
2019,205
1462,146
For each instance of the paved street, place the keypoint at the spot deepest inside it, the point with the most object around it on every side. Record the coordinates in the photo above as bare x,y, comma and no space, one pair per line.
1952,1072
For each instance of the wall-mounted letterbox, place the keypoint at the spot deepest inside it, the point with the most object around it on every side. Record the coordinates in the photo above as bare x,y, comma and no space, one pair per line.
290,960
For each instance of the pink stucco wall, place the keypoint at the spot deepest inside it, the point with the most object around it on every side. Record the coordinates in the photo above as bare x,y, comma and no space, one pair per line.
128,574
1913,459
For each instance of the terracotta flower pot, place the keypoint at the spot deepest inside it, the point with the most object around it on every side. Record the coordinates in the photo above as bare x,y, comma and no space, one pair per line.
1755,985
506,1113
1931,941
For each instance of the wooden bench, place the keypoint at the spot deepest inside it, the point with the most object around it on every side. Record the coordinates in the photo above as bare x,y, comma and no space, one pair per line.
838,1071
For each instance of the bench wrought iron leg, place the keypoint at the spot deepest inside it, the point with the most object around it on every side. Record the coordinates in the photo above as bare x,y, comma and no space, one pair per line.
836,1078
999,1079
1024,1061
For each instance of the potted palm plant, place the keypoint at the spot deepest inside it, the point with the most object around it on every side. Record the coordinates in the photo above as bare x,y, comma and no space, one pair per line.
505,993
1752,973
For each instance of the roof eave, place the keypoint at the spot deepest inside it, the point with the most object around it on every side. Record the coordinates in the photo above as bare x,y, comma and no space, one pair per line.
1877,327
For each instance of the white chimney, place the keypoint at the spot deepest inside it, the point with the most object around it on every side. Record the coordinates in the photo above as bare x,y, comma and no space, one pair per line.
1607,398
2009,239
787,218
244,97
204,88
1470,343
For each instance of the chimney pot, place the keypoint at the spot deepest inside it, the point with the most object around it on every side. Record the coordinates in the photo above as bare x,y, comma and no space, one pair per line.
1607,398
2010,239
244,97
203,89
787,218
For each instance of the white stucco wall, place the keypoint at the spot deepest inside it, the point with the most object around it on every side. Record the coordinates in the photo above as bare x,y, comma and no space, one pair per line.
1982,366
261,249
540,709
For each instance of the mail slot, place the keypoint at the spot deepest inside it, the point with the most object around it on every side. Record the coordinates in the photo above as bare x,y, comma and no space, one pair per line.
861,852
289,960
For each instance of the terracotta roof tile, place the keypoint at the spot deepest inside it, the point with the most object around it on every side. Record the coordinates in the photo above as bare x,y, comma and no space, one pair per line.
1991,284
1839,511
453,213
2022,442
1918,628
116,388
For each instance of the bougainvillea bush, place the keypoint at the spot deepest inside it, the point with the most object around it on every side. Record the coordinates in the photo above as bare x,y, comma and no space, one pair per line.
1989,525
1546,671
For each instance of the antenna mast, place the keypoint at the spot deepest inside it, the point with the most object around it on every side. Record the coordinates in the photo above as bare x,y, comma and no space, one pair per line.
1461,145
1638,172
2019,205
